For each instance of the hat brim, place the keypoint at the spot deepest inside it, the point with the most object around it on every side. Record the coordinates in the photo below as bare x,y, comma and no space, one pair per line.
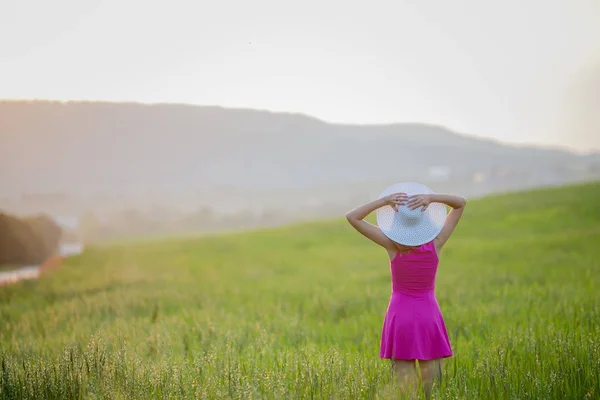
415,232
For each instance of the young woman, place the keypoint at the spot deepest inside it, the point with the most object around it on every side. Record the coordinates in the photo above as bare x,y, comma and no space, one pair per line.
413,228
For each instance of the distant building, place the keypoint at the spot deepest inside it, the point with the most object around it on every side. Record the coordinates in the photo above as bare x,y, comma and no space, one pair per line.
71,242
479,177
71,249
439,173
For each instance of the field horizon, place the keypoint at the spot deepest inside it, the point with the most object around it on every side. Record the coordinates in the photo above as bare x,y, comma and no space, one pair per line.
295,312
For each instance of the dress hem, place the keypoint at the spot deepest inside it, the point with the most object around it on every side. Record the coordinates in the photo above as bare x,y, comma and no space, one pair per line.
415,358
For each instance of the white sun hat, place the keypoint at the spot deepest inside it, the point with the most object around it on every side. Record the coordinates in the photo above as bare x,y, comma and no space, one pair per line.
411,227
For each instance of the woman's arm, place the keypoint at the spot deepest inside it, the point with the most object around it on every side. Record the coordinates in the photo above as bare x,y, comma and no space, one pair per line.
449,199
457,203
356,218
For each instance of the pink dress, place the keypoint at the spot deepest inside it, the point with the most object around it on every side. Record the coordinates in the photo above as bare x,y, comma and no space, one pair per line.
414,326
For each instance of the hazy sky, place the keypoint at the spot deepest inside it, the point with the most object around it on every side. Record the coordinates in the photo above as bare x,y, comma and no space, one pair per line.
516,70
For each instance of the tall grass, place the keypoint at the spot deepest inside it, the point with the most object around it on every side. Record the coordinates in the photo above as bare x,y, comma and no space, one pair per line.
296,313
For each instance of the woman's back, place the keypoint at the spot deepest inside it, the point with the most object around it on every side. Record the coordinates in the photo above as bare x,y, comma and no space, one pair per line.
415,271
414,326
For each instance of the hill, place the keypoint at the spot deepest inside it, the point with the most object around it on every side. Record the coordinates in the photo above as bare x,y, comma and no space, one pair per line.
78,156
296,312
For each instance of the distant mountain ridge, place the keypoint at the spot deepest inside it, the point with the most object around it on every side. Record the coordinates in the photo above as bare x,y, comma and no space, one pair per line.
50,146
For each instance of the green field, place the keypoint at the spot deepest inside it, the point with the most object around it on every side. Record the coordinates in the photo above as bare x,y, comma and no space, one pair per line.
296,312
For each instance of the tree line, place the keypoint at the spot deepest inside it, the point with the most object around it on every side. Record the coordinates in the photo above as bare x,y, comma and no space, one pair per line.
29,240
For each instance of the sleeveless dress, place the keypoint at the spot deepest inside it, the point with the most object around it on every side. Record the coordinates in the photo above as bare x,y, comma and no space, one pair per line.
414,326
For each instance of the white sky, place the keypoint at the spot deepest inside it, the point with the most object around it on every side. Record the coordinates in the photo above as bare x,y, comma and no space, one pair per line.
503,69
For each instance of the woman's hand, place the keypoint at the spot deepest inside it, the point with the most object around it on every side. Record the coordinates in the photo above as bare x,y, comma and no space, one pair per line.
419,200
396,199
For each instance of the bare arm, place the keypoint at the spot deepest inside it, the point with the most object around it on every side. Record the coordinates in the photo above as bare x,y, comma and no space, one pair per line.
449,199
458,204
356,219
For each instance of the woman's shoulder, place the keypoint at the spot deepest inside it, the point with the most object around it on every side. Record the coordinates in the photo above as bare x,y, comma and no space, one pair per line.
429,247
